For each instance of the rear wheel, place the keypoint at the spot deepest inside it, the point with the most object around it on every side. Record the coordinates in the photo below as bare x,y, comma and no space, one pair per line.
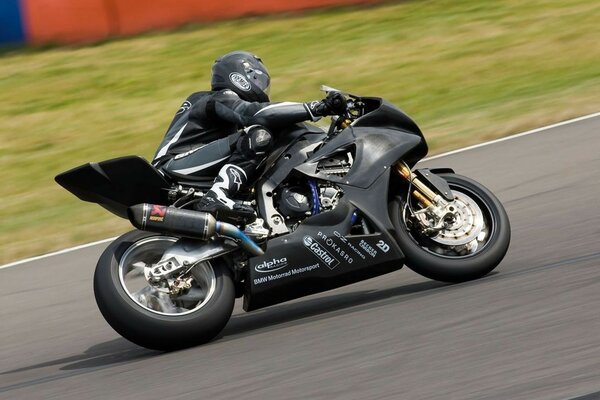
472,242
151,316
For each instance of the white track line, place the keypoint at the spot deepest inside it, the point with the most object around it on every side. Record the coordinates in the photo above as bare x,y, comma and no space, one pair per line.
56,253
517,135
544,128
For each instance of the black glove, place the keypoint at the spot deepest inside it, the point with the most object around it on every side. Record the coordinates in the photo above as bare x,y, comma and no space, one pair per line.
333,104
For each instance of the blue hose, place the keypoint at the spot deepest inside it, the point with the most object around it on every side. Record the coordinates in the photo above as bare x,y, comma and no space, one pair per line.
314,191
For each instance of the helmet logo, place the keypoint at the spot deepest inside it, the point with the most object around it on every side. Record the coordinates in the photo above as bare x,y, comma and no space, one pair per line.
239,81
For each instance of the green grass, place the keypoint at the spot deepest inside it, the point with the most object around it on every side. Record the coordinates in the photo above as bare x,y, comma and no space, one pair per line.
467,71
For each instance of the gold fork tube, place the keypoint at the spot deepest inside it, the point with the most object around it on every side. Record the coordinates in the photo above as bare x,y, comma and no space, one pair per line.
423,190
422,199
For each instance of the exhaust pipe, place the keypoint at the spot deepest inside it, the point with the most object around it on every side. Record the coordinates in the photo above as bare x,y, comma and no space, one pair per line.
188,223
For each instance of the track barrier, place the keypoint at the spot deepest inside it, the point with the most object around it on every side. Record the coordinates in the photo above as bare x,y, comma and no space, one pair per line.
79,21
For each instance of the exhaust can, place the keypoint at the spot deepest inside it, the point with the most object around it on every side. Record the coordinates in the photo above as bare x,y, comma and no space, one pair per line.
163,219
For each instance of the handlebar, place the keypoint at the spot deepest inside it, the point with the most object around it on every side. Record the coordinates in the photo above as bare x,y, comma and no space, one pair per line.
355,108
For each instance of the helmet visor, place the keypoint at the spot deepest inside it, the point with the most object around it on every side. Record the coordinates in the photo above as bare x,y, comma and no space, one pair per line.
258,77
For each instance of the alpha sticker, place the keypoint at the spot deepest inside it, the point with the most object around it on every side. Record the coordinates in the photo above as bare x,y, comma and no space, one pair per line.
157,213
239,81
321,253
273,265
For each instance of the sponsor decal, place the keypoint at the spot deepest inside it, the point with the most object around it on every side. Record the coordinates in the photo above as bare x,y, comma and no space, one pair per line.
329,242
312,108
184,107
292,272
345,240
240,81
383,246
301,270
187,153
157,213
368,248
237,178
320,252
272,265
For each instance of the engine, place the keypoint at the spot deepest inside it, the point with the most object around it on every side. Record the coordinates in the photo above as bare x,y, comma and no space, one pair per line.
329,195
300,198
296,202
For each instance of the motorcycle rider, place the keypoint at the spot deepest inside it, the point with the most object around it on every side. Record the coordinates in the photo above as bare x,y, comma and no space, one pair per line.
232,124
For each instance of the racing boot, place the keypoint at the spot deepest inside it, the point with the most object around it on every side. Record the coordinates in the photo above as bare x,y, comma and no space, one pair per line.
217,200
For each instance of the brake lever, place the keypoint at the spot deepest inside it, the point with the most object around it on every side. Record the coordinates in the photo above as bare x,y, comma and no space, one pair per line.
333,125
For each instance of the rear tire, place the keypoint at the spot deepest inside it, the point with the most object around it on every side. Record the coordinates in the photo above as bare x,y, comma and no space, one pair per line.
449,268
151,329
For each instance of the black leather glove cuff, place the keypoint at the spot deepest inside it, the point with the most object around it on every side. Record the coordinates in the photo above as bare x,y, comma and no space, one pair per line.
316,109
333,104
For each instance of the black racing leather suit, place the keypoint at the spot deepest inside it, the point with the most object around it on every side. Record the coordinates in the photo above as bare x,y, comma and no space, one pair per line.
205,133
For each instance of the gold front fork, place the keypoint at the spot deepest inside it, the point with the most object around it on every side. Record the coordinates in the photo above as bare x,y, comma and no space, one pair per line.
423,194
345,123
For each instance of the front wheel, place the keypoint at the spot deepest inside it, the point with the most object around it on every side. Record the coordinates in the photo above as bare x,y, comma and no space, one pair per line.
149,315
471,243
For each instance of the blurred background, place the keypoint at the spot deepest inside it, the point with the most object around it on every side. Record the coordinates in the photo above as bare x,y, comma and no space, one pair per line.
89,80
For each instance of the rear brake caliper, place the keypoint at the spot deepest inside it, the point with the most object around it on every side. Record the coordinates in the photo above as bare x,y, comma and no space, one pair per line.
170,276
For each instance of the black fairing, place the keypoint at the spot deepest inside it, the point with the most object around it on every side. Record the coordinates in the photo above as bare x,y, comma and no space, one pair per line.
378,139
384,114
116,184
344,260
287,138
304,272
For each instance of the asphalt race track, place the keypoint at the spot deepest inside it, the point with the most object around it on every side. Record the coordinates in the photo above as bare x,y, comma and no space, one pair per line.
530,330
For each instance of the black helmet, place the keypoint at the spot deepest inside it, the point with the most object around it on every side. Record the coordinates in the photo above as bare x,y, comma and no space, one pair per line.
244,73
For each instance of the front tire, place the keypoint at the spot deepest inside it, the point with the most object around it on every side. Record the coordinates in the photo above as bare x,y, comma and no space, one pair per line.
440,263
150,326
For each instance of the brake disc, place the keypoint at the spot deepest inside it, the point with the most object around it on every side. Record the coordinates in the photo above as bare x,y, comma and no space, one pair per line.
464,226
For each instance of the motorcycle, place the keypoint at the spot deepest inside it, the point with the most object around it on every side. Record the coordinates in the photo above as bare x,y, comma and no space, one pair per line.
332,208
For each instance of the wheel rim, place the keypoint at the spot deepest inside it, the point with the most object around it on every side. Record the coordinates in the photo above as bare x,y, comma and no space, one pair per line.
156,298
475,224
